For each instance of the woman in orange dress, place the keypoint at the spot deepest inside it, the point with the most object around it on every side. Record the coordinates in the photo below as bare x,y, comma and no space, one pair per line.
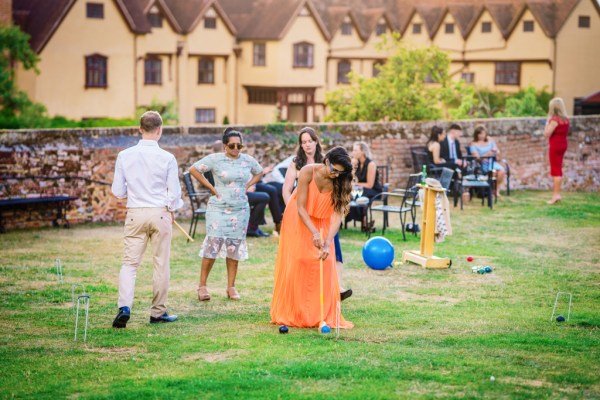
317,205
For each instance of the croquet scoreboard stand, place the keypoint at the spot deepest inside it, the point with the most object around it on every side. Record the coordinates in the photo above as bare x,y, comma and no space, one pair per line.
425,257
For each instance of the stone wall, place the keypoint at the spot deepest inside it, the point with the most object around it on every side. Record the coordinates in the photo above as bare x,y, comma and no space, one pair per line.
80,162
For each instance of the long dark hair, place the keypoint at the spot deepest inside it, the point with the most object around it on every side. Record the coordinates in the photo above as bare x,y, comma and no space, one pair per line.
436,131
342,184
300,158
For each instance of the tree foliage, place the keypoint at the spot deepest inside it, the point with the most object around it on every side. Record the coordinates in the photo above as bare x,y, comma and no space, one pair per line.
399,92
469,102
16,109
167,110
414,85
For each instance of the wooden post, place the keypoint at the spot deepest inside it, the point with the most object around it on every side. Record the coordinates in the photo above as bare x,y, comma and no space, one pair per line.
425,257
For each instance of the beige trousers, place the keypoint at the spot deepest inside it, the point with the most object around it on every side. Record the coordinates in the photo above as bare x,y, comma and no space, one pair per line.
144,225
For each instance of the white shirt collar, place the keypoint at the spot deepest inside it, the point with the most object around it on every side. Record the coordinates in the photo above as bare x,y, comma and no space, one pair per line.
146,142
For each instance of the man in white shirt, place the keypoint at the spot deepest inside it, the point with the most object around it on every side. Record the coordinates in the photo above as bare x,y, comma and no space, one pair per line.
148,177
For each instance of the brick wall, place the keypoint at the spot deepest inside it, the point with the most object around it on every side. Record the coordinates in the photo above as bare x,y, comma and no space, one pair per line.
5,12
80,162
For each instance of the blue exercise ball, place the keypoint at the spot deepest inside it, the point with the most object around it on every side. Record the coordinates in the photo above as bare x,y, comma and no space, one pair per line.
378,253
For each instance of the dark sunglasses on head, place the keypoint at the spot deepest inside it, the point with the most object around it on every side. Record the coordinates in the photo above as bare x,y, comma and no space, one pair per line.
232,146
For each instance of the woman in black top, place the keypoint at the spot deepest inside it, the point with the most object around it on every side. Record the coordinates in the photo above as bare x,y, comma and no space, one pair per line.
366,176
434,159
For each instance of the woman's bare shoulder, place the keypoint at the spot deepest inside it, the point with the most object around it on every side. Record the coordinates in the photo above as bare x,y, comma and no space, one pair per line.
307,170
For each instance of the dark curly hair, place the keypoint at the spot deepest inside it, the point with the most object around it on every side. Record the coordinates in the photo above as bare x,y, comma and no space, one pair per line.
230,132
300,158
342,184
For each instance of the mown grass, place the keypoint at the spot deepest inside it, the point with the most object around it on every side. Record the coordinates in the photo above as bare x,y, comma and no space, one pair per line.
418,333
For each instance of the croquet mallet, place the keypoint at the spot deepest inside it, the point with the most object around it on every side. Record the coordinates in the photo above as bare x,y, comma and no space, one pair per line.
183,231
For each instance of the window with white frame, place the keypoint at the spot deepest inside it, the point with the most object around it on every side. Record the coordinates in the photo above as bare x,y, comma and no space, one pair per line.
205,115
259,54
303,55
96,71
94,10
468,77
344,67
153,71
508,73
584,21
210,23
206,70
346,28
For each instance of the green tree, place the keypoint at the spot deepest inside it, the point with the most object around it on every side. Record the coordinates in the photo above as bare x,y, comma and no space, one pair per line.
525,103
466,101
410,86
16,109
168,111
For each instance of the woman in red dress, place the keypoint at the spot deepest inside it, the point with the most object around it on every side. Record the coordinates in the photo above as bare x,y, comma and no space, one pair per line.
556,130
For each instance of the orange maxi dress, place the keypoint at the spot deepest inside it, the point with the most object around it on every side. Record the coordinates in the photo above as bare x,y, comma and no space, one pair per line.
296,296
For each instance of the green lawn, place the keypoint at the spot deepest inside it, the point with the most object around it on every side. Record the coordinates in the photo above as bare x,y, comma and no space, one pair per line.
418,333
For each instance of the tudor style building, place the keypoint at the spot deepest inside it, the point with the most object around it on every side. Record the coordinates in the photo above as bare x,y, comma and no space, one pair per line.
257,61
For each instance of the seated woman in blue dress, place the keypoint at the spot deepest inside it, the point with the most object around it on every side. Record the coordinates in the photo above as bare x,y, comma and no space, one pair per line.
483,146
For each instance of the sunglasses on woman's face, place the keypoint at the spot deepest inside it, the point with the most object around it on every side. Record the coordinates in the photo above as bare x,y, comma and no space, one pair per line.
332,170
232,146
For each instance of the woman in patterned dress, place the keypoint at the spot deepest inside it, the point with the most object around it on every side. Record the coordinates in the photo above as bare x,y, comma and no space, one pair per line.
228,211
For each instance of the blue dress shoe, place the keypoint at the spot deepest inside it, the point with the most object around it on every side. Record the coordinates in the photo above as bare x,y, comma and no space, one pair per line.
256,233
163,318
122,318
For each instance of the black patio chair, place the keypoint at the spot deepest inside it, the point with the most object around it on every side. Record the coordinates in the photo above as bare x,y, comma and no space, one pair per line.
198,200
475,180
419,157
383,176
408,202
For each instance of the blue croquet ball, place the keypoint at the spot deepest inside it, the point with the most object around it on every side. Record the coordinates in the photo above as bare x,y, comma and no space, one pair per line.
325,329
560,318
378,253
283,329
488,269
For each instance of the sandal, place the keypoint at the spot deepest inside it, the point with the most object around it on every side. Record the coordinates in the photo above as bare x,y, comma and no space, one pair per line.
369,227
233,294
203,294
